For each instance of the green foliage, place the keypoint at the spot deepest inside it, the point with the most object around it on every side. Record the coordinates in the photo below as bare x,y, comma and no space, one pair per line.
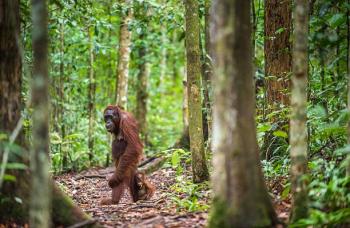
69,58
15,152
163,31
189,196
184,193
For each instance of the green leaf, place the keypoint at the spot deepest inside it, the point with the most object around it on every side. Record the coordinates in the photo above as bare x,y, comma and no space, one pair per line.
264,127
16,166
3,136
280,30
342,151
8,177
280,133
175,159
336,20
285,192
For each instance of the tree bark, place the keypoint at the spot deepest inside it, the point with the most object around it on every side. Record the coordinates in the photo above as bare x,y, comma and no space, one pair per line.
10,109
65,213
124,56
142,94
10,65
91,94
277,48
184,140
348,71
298,129
39,162
240,195
199,166
61,93
206,75
143,70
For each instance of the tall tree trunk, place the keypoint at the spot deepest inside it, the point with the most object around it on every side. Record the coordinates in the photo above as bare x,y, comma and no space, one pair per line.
65,213
199,165
10,65
185,119
124,56
184,140
110,72
91,94
39,162
61,98
142,94
240,195
348,71
206,74
143,73
10,109
298,129
277,47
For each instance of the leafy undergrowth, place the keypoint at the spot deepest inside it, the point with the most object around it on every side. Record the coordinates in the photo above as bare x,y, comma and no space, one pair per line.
176,203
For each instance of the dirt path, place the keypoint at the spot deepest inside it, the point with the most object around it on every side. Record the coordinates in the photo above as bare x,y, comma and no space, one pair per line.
89,187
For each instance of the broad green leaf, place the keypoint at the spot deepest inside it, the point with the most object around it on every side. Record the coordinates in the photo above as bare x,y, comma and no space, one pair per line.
280,133
8,177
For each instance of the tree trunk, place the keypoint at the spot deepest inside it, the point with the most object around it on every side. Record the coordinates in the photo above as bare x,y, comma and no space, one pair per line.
298,129
10,65
185,101
206,75
142,94
184,140
240,195
277,50
61,98
65,213
124,56
39,159
91,94
348,71
10,110
199,166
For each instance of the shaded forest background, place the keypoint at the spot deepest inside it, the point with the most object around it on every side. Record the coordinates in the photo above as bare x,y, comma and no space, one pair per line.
83,54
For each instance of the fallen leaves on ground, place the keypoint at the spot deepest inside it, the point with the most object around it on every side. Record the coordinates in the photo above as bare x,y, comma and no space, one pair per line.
89,187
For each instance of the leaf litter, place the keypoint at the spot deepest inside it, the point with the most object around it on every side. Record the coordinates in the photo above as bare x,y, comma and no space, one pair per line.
89,187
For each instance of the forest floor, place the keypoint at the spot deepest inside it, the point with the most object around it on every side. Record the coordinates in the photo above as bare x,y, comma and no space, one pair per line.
89,187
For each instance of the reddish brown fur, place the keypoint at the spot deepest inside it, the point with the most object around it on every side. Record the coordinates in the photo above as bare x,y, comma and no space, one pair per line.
145,188
127,151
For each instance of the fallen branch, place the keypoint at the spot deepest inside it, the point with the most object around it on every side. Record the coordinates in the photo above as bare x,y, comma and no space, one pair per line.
153,166
143,205
90,176
148,160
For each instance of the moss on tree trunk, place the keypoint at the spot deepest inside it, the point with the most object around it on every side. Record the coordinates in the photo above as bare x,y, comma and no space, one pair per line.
277,48
298,129
124,55
14,203
199,166
240,195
